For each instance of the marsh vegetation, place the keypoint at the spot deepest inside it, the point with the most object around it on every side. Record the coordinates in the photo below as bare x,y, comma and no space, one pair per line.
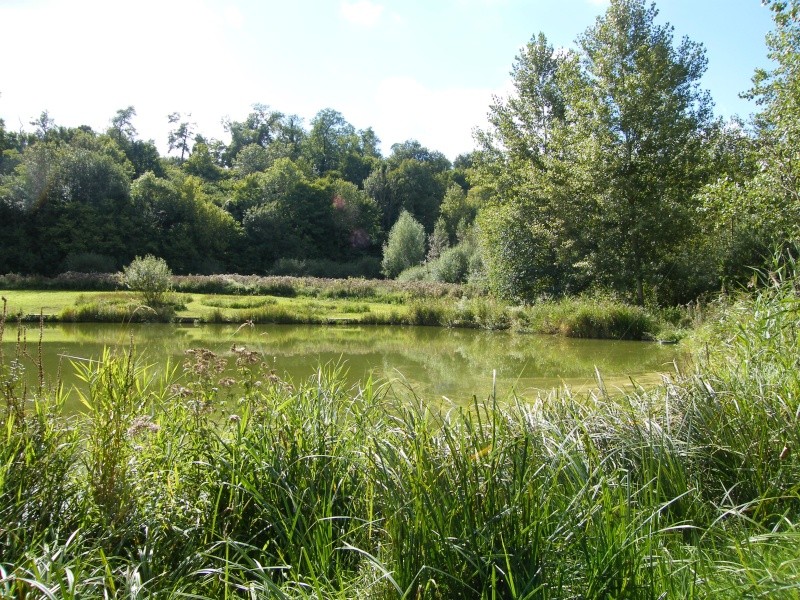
322,488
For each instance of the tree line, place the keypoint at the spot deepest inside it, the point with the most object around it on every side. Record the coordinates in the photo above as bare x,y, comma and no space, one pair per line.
604,170
76,199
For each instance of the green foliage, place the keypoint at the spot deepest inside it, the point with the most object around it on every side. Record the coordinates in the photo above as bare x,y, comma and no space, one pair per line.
415,273
253,158
202,164
356,219
458,211
413,179
151,276
456,264
575,160
521,253
90,262
438,241
184,226
180,138
367,267
333,146
275,192
70,200
645,103
405,246
588,317
264,128
115,310
452,266
417,188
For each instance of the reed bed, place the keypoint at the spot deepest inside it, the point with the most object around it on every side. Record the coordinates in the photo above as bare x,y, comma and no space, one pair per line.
195,484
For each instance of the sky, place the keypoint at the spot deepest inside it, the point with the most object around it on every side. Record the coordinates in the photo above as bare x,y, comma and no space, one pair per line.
410,69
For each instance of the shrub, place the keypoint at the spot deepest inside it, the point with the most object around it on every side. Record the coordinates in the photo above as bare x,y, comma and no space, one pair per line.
416,273
289,266
452,266
151,277
405,246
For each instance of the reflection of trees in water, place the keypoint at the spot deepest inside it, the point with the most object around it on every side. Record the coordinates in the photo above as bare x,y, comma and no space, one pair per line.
439,361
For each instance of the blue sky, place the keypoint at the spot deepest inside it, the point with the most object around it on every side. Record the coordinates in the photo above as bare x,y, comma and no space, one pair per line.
410,69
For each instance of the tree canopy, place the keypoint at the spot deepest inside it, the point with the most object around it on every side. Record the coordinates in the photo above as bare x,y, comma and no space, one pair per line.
596,158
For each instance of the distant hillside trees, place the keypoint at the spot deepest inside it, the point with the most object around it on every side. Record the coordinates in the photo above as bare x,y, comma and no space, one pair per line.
276,194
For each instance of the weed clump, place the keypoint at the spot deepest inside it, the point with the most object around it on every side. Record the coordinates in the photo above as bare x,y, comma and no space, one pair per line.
151,277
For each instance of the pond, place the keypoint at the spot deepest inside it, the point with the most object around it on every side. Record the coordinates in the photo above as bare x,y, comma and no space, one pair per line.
432,362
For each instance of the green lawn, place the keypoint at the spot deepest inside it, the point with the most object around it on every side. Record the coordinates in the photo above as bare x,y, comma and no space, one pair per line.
29,302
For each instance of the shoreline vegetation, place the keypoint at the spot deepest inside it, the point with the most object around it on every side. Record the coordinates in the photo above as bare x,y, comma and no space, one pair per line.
81,297
315,489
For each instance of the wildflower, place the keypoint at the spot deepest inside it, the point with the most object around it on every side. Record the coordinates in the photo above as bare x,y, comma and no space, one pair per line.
245,356
140,424
203,362
179,390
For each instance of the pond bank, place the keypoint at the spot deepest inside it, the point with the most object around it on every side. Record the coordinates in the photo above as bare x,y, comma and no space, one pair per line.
340,304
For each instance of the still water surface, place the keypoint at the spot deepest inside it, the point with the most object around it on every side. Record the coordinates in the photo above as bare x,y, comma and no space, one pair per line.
433,362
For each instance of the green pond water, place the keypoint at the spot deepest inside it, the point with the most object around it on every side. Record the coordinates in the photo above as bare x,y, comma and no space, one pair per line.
433,362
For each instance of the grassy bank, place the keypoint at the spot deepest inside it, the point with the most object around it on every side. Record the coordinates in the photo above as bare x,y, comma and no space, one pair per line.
238,299
310,489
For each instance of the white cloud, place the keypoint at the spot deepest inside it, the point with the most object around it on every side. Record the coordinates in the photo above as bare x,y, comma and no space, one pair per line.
362,12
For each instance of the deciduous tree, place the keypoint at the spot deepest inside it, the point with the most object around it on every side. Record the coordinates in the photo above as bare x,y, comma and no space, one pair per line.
598,154
405,247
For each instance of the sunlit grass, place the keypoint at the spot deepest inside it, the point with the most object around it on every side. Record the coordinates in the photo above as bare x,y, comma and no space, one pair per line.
30,302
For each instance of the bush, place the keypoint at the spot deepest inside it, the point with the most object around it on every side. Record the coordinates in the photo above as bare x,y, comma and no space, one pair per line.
293,267
365,266
70,280
416,273
405,246
151,277
452,266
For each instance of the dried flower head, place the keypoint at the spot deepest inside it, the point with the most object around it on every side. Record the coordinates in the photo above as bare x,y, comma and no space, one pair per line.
141,424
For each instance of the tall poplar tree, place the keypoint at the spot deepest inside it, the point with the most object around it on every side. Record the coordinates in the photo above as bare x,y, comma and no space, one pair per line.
595,159
640,119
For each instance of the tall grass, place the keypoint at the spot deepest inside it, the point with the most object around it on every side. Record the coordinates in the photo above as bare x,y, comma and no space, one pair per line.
590,318
190,483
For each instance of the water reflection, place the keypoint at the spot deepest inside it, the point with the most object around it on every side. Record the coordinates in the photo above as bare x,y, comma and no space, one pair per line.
456,363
